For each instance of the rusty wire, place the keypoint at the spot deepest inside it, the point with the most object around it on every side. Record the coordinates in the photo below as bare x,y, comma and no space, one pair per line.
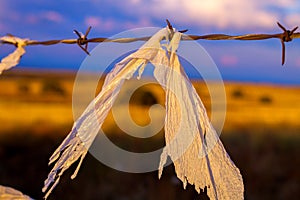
82,40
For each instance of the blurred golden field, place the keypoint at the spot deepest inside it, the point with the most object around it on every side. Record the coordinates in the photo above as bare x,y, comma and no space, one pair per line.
32,98
261,134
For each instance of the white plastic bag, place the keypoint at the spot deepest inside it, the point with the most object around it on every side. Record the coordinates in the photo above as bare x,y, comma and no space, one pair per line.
14,58
8,193
192,143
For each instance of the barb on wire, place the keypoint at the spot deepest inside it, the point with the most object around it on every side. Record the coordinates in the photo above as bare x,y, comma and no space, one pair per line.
286,37
172,29
82,41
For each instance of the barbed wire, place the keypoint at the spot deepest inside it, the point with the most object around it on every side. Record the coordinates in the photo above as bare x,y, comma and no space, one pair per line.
82,40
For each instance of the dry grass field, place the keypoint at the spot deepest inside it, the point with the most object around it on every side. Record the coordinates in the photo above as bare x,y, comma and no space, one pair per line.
46,98
261,133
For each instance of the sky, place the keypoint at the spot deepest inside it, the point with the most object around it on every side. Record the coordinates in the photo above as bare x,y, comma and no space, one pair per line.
249,61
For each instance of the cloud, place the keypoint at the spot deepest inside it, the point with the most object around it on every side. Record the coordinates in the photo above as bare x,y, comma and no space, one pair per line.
19,12
92,21
2,27
115,15
221,14
8,15
298,62
142,22
31,19
292,20
236,14
100,23
3,9
52,16
229,60
38,18
110,24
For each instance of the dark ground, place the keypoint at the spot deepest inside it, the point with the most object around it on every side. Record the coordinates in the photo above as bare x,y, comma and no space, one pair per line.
269,164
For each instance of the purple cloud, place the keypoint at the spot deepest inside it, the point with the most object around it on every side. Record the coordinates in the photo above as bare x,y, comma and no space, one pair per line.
101,24
229,60
52,16
298,62
39,17
110,24
293,19
220,14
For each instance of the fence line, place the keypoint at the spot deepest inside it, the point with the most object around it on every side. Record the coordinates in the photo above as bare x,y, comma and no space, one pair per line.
82,40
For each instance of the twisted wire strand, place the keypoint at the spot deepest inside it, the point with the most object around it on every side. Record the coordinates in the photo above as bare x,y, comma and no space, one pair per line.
185,38
286,36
